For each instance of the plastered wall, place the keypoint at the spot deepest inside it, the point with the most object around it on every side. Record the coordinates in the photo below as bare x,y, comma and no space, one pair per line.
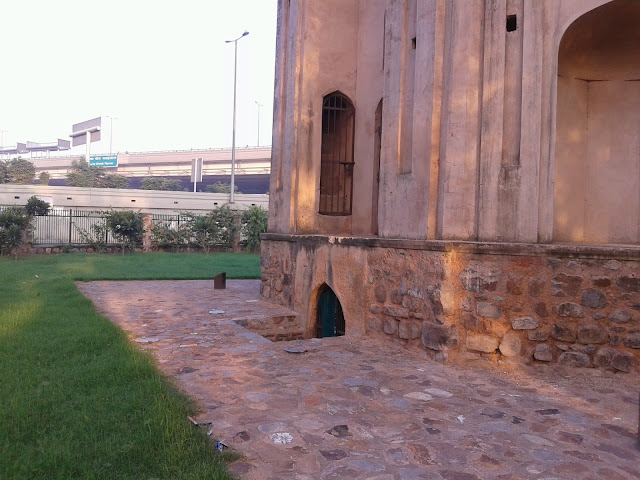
484,135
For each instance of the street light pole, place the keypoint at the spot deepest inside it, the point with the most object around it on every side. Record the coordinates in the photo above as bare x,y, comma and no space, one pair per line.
233,138
259,105
111,119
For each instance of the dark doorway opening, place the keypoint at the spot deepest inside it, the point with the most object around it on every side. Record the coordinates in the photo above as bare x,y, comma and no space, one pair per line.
330,319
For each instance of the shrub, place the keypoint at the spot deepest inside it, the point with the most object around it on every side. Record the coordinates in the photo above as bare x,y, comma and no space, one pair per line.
204,231
95,237
35,206
14,222
159,183
225,220
221,187
254,222
126,227
165,236
44,178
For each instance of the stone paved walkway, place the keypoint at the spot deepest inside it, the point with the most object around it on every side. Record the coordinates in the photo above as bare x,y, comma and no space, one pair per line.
361,408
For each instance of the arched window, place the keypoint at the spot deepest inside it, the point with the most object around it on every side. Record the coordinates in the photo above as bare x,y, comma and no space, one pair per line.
336,164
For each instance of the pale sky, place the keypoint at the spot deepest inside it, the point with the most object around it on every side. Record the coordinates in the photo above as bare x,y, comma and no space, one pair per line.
160,66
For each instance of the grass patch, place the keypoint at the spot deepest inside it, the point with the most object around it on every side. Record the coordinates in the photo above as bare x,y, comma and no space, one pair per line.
77,399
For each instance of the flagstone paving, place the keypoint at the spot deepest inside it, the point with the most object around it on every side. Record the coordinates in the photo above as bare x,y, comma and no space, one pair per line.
365,408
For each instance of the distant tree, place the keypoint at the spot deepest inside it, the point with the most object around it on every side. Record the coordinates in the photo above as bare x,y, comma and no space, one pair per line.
3,172
112,180
44,178
158,183
220,187
21,171
81,174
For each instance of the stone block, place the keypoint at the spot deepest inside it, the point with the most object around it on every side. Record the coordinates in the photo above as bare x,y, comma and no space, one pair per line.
574,359
396,296
603,357
536,286
623,361
380,293
588,349
482,343
569,309
632,340
628,284
510,345
479,279
563,333
593,298
615,359
374,324
524,323
488,310
390,326
612,265
514,286
592,333
410,303
467,304
474,324
543,353
409,330
620,316
601,281
375,309
566,285
537,336
540,308
439,337
396,312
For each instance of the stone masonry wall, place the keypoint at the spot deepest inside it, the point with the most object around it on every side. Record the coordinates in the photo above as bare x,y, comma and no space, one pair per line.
525,303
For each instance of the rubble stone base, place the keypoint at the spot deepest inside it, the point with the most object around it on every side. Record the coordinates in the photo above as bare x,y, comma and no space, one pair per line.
574,305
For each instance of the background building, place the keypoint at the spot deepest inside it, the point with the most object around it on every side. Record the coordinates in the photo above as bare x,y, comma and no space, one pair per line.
252,167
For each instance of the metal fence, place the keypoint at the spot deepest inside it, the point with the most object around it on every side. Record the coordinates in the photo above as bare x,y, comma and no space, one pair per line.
65,226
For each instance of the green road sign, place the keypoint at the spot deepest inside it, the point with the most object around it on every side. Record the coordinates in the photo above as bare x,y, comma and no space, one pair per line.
103,160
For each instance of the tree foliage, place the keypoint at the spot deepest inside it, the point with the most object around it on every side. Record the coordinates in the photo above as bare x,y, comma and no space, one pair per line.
127,228
220,187
254,222
112,180
81,174
159,183
14,221
44,178
19,170
3,172
35,206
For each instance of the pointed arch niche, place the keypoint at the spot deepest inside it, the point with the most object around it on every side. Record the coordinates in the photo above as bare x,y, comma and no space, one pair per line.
597,167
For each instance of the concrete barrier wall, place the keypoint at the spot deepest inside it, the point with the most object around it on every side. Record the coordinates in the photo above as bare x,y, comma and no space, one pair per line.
148,201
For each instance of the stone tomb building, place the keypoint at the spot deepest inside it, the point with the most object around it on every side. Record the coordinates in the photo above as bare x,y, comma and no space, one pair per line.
462,176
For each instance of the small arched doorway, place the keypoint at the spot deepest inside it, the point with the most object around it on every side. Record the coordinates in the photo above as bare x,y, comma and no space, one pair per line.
330,317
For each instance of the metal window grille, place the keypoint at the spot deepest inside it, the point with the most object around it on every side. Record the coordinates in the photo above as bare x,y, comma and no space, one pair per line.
336,164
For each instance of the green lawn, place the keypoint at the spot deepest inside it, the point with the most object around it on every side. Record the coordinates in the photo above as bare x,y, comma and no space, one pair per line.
77,399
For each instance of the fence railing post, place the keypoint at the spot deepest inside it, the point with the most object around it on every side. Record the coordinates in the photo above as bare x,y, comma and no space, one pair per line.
70,224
